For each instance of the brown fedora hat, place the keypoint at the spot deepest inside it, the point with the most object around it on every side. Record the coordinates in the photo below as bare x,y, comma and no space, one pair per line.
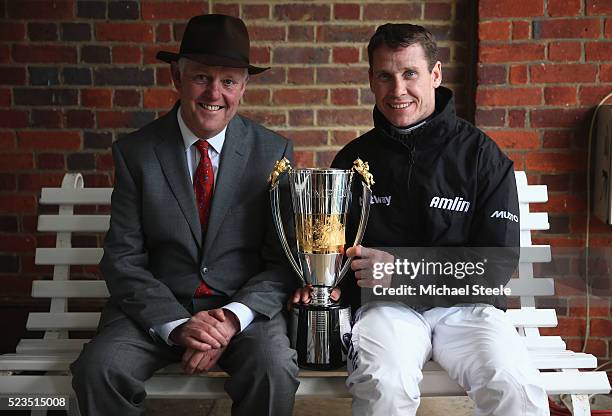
215,40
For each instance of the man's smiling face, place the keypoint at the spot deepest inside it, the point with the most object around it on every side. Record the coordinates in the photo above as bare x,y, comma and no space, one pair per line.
403,85
210,95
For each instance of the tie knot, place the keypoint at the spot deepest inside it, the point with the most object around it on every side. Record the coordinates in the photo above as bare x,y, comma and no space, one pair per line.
202,146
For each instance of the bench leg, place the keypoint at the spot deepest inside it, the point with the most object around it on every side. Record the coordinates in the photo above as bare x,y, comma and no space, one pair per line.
38,412
581,405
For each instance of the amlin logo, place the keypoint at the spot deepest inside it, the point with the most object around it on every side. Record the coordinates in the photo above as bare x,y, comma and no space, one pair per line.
457,204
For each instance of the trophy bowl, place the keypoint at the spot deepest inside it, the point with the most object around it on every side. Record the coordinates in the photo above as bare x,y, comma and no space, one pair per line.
321,199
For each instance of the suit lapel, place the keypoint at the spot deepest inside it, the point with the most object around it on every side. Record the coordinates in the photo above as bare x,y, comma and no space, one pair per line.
171,154
235,153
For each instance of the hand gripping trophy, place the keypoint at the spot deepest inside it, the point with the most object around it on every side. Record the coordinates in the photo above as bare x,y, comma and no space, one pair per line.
320,198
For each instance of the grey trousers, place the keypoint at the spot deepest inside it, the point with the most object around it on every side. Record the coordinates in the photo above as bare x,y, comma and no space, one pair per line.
109,375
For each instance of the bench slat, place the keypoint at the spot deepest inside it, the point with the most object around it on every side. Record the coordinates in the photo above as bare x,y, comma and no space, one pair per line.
74,223
75,321
548,342
532,318
80,196
69,289
41,346
68,256
534,221
532,287
535,254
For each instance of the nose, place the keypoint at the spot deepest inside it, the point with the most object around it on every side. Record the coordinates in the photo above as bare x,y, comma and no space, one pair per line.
397,87
213,90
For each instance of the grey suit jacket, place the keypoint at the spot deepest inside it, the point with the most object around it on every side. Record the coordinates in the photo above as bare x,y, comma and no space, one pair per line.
155,254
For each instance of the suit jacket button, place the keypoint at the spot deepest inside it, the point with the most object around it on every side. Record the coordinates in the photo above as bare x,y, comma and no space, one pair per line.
204,270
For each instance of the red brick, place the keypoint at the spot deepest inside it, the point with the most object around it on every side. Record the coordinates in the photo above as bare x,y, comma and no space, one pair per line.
302,12
126,54
302,138
437,11
388,12
601,327
352,75
263,33
564,51
557,8
563,73
5,97
301,118
7,140
516,118
121,119
560,95
572,327
303,159
124,32
331,33
599,7
301,54
16,242
592,95
228,9
163,33
496,30
558,117
490,118
163,76
12,31
518,74
598,307
555,162
492,74
33,10
301,33
266,117
605,72
49,119
566,28
510,8
345,55
344,96
11,75
82,119
557,139
5,54
346,11
257,96
104,161
521,30
97,98
126,98
299,97
158,98
13,118
29,53
44,140
516,52
16,161
21,204
515,139
598,51
500,97
260,55
324,158
36,181
344,117
172,10
276,75
255,11
300,76
52,161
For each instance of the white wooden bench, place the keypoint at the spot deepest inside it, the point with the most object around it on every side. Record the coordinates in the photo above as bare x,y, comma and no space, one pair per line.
50,356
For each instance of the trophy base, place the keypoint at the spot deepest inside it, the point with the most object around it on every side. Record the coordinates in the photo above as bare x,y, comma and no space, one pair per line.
316,333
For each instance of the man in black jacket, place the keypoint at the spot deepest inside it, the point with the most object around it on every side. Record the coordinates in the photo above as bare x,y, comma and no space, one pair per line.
440,182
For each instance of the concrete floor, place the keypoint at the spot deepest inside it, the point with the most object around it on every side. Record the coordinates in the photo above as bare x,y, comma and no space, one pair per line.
439,406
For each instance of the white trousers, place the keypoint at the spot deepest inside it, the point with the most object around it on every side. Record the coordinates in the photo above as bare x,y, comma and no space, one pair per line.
475,344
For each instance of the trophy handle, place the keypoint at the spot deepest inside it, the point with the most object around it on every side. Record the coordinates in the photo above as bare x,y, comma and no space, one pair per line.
366,195
278,223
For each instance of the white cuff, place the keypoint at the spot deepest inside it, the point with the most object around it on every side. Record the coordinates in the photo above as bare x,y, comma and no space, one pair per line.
244,314
163,331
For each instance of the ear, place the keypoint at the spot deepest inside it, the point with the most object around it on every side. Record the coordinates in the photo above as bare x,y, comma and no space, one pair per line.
436,74
370,77
176,75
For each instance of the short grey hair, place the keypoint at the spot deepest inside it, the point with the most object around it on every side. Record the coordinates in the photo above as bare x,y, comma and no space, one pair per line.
182,63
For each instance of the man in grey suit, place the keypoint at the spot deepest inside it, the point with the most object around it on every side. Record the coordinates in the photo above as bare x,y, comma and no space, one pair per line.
191,260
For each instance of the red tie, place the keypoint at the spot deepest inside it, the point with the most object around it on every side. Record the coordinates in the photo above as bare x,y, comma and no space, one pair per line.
203,184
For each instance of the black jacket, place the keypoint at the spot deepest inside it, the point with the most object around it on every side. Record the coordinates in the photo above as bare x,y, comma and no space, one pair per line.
441,183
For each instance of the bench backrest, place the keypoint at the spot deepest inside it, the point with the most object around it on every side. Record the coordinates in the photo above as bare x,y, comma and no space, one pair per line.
58,321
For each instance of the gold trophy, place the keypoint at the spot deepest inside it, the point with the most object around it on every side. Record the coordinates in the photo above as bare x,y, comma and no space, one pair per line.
321,200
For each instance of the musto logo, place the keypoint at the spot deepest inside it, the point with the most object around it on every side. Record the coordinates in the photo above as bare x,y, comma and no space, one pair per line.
506,215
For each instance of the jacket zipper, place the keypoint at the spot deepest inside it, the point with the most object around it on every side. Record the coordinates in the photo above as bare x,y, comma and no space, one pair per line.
410,163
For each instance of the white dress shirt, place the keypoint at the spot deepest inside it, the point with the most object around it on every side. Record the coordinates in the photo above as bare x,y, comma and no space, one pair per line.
244,314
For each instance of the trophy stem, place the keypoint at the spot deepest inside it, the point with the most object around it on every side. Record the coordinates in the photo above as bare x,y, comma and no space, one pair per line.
321,296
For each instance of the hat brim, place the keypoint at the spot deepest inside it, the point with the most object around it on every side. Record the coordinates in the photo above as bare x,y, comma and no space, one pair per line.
212,60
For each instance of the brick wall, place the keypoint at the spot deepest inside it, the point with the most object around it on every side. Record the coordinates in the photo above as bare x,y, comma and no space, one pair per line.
543,65
76,75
